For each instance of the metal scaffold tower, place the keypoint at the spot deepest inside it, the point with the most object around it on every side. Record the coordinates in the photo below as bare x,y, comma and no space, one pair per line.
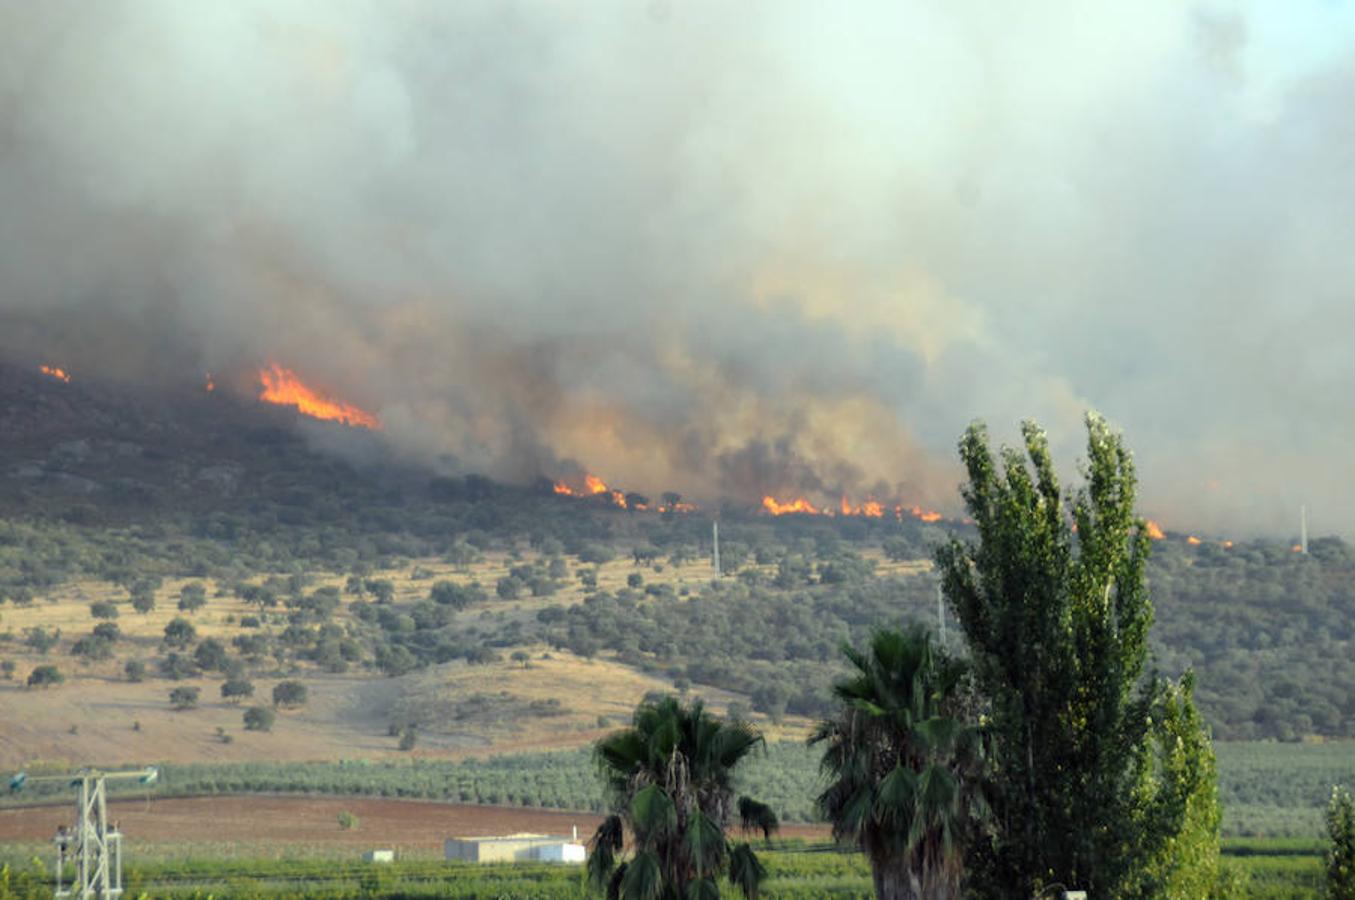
94,845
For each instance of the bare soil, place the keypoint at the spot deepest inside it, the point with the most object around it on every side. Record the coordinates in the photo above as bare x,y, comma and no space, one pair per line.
284,820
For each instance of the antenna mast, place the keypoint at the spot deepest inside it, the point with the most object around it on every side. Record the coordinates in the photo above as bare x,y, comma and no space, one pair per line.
715,541
941,613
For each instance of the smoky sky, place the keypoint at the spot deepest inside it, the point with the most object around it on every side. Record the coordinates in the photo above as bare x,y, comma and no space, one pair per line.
716,248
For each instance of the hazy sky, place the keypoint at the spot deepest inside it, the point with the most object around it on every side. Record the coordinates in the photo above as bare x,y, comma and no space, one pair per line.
722,248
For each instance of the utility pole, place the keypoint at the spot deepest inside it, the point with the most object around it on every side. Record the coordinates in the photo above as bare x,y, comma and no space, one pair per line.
715,542
941,613
95,848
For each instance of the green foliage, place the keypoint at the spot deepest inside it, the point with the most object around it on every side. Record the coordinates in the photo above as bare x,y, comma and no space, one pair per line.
184,697
236,689
905,765
347,821
103,609
669,782
1340,855
288,694
1056,615
259,718
42,639
192,597
45,676
179,633
135,670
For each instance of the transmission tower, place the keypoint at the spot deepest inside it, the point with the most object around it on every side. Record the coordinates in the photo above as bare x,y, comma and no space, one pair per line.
94,846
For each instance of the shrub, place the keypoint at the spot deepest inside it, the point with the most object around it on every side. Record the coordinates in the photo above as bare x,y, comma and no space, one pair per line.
180,633
408,738
289,694
235,689
45,676
102,609
135,670
107,631
348,821
192,597
259,718
184,697
210,655
93,647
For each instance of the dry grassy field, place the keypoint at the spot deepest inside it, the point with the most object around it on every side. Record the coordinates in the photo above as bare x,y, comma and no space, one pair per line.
99,715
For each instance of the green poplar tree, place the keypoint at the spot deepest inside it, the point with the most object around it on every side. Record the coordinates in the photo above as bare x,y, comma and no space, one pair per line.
1104,774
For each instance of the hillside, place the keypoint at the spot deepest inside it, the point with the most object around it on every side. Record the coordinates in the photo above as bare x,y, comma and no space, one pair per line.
490,617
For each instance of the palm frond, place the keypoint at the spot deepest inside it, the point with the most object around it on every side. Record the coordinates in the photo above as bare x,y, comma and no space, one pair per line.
755,815
746,870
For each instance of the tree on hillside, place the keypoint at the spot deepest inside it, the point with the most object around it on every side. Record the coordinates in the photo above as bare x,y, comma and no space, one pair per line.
184,697
45,676
179,633
1101,772
669,782
1340,857
289,693
236,689
192,597
906,766
259,718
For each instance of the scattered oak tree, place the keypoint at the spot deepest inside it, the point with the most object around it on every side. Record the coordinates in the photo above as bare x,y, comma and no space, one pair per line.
289,694
184,697
259,718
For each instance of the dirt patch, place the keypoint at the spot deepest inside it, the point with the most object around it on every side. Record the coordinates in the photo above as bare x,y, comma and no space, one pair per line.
283,820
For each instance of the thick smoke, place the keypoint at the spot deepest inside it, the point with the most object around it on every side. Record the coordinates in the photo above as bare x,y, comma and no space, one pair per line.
718,248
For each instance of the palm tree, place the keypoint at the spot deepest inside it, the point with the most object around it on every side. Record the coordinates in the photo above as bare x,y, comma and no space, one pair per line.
668,779
905,769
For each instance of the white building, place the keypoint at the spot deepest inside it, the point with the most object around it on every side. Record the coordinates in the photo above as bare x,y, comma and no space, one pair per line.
517,848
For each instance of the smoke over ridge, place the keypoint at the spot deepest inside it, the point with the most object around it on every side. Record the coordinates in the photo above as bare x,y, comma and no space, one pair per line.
722,249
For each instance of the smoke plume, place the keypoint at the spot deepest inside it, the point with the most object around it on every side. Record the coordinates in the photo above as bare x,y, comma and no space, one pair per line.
718,248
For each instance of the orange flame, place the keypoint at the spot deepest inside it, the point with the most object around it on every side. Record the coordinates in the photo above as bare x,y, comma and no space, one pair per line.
1154,530
926,515
871,508
798,505
285,388
56,372
594,486
211,384
1227,545
1192,540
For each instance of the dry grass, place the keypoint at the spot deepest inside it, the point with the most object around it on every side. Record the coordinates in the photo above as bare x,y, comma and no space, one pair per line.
347,715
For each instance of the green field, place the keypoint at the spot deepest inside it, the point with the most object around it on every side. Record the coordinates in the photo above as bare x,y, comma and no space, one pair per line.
1266,869
1267,789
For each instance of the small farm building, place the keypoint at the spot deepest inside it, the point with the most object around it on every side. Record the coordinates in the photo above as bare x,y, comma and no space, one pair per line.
516,848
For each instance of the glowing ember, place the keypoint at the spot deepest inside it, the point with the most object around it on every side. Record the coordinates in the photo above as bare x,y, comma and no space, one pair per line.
285,388
211,384
1227,545
1154,530
798,505
56,372
1192,540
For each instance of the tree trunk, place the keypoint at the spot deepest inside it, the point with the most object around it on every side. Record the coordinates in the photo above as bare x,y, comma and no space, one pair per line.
893,881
